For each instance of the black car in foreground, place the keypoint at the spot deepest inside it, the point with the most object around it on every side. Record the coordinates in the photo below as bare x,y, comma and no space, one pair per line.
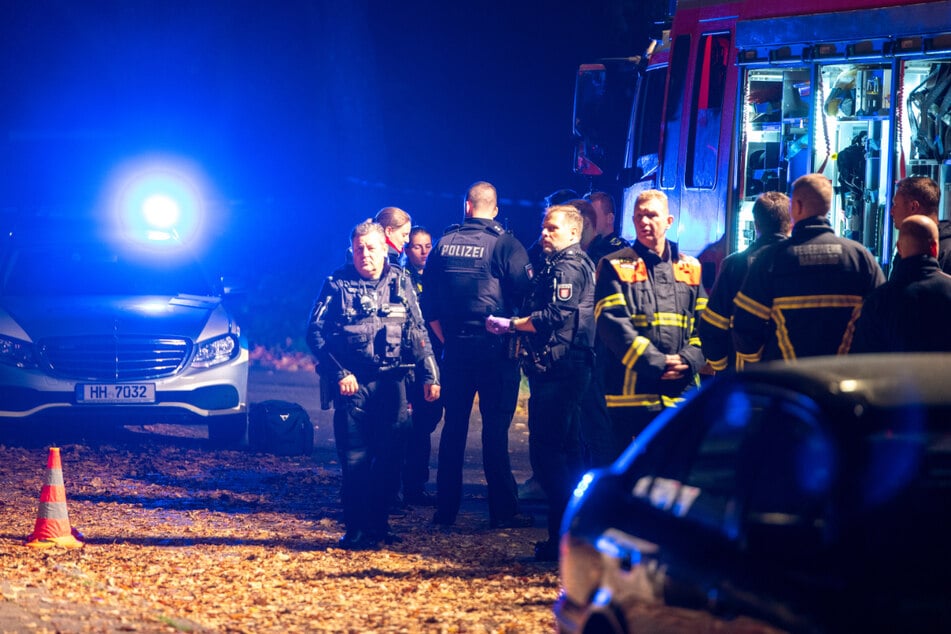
806,497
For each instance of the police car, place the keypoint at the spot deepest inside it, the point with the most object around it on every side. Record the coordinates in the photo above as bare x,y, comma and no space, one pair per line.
101,327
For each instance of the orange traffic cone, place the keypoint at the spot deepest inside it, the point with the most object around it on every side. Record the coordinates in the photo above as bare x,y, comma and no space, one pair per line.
52,521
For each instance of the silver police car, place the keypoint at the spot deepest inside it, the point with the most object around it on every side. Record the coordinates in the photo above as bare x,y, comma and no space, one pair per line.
94,329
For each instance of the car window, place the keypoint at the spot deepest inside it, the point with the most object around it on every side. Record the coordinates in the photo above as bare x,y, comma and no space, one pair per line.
78,271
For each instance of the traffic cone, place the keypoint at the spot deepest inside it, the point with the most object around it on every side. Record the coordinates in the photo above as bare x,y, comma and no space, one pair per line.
52,521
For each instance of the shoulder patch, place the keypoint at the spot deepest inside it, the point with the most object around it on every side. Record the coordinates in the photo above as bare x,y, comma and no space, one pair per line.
630,271
687,270
563,292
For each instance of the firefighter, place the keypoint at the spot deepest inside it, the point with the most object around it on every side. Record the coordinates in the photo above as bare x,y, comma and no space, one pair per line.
476,269
921,195
800,294
366,332
557,357
648,298
908,313
771,223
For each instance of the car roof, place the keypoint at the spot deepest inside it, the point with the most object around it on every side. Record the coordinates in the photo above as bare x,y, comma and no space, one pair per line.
880,380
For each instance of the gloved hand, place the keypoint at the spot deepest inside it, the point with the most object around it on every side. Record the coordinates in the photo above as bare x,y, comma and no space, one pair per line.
497,325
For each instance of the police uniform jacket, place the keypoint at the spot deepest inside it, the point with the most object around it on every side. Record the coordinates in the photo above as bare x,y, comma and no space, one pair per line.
368,327
647,307
561,305
716,320
604,245
475,270
800,295
909,312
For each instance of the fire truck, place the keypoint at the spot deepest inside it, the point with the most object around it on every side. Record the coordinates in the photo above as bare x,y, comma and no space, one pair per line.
737,98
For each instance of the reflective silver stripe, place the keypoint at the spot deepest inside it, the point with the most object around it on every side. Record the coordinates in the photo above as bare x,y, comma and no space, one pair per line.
54,477
53,511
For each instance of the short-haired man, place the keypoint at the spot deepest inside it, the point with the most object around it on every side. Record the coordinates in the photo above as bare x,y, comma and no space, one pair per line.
477,269
606,240
921,195
648,299
365,330
771,223
800,294
909,312
557,331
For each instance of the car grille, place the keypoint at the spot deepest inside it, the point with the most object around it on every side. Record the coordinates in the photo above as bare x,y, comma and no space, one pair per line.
114,358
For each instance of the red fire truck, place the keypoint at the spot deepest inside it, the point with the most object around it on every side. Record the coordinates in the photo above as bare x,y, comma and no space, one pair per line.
743,97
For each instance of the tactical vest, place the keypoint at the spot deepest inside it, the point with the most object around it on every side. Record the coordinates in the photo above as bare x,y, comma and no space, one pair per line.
371,329
471,292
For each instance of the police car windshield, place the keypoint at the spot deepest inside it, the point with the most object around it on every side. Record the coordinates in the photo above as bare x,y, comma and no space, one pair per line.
71,270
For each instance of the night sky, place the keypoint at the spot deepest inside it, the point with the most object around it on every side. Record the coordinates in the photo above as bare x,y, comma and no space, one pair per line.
305,116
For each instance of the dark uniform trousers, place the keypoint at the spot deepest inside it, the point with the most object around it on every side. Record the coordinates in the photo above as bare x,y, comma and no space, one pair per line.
424,418
477,362
366,427
555,436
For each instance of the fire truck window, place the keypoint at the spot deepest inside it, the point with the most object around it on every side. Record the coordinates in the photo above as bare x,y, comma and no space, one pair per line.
925,128
775,137
704,138
853,135
674,111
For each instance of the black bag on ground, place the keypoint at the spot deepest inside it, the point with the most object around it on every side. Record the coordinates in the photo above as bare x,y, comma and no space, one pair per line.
281,428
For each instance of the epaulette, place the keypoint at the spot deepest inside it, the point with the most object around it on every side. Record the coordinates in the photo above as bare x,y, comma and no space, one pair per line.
452,228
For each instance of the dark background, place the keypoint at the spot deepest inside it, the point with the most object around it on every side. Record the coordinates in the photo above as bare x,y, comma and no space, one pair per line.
304,117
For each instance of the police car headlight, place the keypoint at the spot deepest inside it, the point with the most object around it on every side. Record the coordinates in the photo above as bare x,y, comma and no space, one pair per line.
216,351
17,352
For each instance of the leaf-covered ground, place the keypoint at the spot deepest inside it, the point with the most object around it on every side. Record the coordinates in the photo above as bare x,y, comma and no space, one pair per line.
183,538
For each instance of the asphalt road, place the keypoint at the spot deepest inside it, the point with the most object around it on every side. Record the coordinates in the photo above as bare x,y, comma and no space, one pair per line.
301,388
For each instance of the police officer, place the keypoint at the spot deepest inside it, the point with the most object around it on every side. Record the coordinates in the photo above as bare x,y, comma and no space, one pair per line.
557,357
800,295
648,297
366,331
426,414
606,240
476,269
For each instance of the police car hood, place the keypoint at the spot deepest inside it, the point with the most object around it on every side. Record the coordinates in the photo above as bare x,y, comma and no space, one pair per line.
35,318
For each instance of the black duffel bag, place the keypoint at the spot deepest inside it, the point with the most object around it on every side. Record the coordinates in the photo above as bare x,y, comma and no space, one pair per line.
280,427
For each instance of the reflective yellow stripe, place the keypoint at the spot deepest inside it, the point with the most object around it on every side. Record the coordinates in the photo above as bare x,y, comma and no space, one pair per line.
715,319
694,341
640,321
670,319
816,301
701,304
782,336
638,346
642,400
751,306
717,364
846,344
608,302
743,359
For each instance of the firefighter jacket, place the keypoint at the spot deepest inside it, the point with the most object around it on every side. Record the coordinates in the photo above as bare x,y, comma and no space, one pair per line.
369,327
647,307
561,307
604,245
475,270
800,295
716,321
908,313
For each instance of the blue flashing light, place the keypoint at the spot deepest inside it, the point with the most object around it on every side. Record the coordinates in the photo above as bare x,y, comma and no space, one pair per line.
158,200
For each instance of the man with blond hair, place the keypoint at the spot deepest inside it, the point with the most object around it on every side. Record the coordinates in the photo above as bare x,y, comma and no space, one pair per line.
648,299
800,294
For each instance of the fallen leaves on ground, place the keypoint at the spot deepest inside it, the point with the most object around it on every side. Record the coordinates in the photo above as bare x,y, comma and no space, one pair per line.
182,538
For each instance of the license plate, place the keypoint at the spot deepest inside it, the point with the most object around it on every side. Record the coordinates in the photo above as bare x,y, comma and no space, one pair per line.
113,393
